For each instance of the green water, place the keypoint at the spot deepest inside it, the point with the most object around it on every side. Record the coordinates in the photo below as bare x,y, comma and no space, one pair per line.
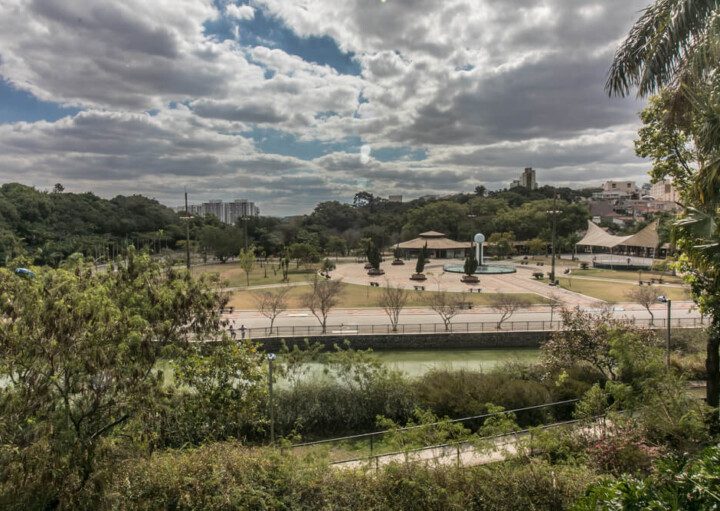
418,362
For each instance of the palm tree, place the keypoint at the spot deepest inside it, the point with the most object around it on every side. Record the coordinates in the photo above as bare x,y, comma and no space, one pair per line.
674,48
672,45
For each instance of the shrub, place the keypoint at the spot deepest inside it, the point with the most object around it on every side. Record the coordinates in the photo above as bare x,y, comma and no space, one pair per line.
465,393
226,476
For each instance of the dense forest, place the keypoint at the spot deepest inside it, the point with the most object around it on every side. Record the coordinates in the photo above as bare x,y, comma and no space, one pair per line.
49,226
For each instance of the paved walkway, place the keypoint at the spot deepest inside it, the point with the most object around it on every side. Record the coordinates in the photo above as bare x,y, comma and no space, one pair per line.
465,454
438,279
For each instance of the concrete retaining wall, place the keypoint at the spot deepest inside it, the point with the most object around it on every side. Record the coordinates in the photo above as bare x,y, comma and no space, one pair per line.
420,341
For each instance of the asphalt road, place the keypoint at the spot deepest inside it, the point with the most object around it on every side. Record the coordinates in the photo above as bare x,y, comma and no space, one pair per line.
376,316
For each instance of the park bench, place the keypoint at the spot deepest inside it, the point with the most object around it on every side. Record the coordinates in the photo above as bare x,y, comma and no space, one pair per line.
474,289
419,288
374,284
465,305
538,275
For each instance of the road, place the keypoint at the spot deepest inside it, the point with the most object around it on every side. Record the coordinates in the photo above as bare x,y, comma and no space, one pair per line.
414,316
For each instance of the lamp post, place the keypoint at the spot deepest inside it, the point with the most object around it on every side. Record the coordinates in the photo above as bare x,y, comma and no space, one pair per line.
667,343
271,358
245,239
554,213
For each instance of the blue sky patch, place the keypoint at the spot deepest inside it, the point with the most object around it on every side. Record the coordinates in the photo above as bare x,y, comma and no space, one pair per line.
17,105
269,31
286,144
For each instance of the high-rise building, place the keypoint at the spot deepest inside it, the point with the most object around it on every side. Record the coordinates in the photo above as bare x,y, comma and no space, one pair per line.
527,179
213,207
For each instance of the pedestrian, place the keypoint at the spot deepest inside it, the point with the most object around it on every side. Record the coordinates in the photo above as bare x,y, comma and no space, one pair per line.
242,331
232,332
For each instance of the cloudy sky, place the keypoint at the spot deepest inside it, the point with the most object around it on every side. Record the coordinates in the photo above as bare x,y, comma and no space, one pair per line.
289,102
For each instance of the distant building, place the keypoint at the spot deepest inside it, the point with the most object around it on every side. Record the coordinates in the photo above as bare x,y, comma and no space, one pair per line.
226,212
663,191
395,198
527,180
617,190
214,207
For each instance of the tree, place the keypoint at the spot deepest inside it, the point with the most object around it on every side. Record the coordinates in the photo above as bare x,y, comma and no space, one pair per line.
480,191
393,299
272,303
223,242
506,305
327,266
672,49
645,296
536,246
303,252
246,260
285,266
598,340
422,260
336,245
322,298
554,302
673,44
373,255
58,188
471,264
78,350
502,242
446,305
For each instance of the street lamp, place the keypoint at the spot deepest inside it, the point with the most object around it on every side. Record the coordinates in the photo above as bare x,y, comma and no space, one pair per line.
271,357
554,213
662,299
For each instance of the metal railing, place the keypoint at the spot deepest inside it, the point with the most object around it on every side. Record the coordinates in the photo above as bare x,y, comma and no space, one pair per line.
349,330
371,446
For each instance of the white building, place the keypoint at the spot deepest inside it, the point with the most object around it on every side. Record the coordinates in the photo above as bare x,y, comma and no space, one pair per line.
617,190
664,191
226,212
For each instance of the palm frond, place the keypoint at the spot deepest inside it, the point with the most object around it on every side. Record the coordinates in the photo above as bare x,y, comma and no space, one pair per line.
658,46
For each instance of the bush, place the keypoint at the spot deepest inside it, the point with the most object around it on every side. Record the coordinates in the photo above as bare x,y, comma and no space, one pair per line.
464,393
226,476
675,483
324,407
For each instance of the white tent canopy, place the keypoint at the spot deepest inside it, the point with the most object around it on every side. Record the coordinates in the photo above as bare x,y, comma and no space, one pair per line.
596,236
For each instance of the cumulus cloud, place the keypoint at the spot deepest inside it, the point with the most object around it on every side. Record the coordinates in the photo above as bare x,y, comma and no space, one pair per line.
485,87
240,12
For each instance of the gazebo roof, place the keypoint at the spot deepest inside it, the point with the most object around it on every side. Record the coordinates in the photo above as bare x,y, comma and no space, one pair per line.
434,241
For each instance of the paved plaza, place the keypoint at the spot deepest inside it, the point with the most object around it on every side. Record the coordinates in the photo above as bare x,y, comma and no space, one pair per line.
437,279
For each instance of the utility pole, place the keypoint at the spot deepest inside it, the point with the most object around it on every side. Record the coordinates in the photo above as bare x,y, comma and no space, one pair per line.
187,232
245,222
554,230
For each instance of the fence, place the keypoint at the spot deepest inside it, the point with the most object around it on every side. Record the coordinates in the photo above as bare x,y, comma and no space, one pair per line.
373,446
347,330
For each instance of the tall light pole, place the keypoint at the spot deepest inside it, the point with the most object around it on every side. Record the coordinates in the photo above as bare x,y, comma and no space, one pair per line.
187,233
667,343
554,213
271,357
245,221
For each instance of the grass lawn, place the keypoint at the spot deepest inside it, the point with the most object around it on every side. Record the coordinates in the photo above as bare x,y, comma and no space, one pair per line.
614,292
627,275
532,260
355,295
234,276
